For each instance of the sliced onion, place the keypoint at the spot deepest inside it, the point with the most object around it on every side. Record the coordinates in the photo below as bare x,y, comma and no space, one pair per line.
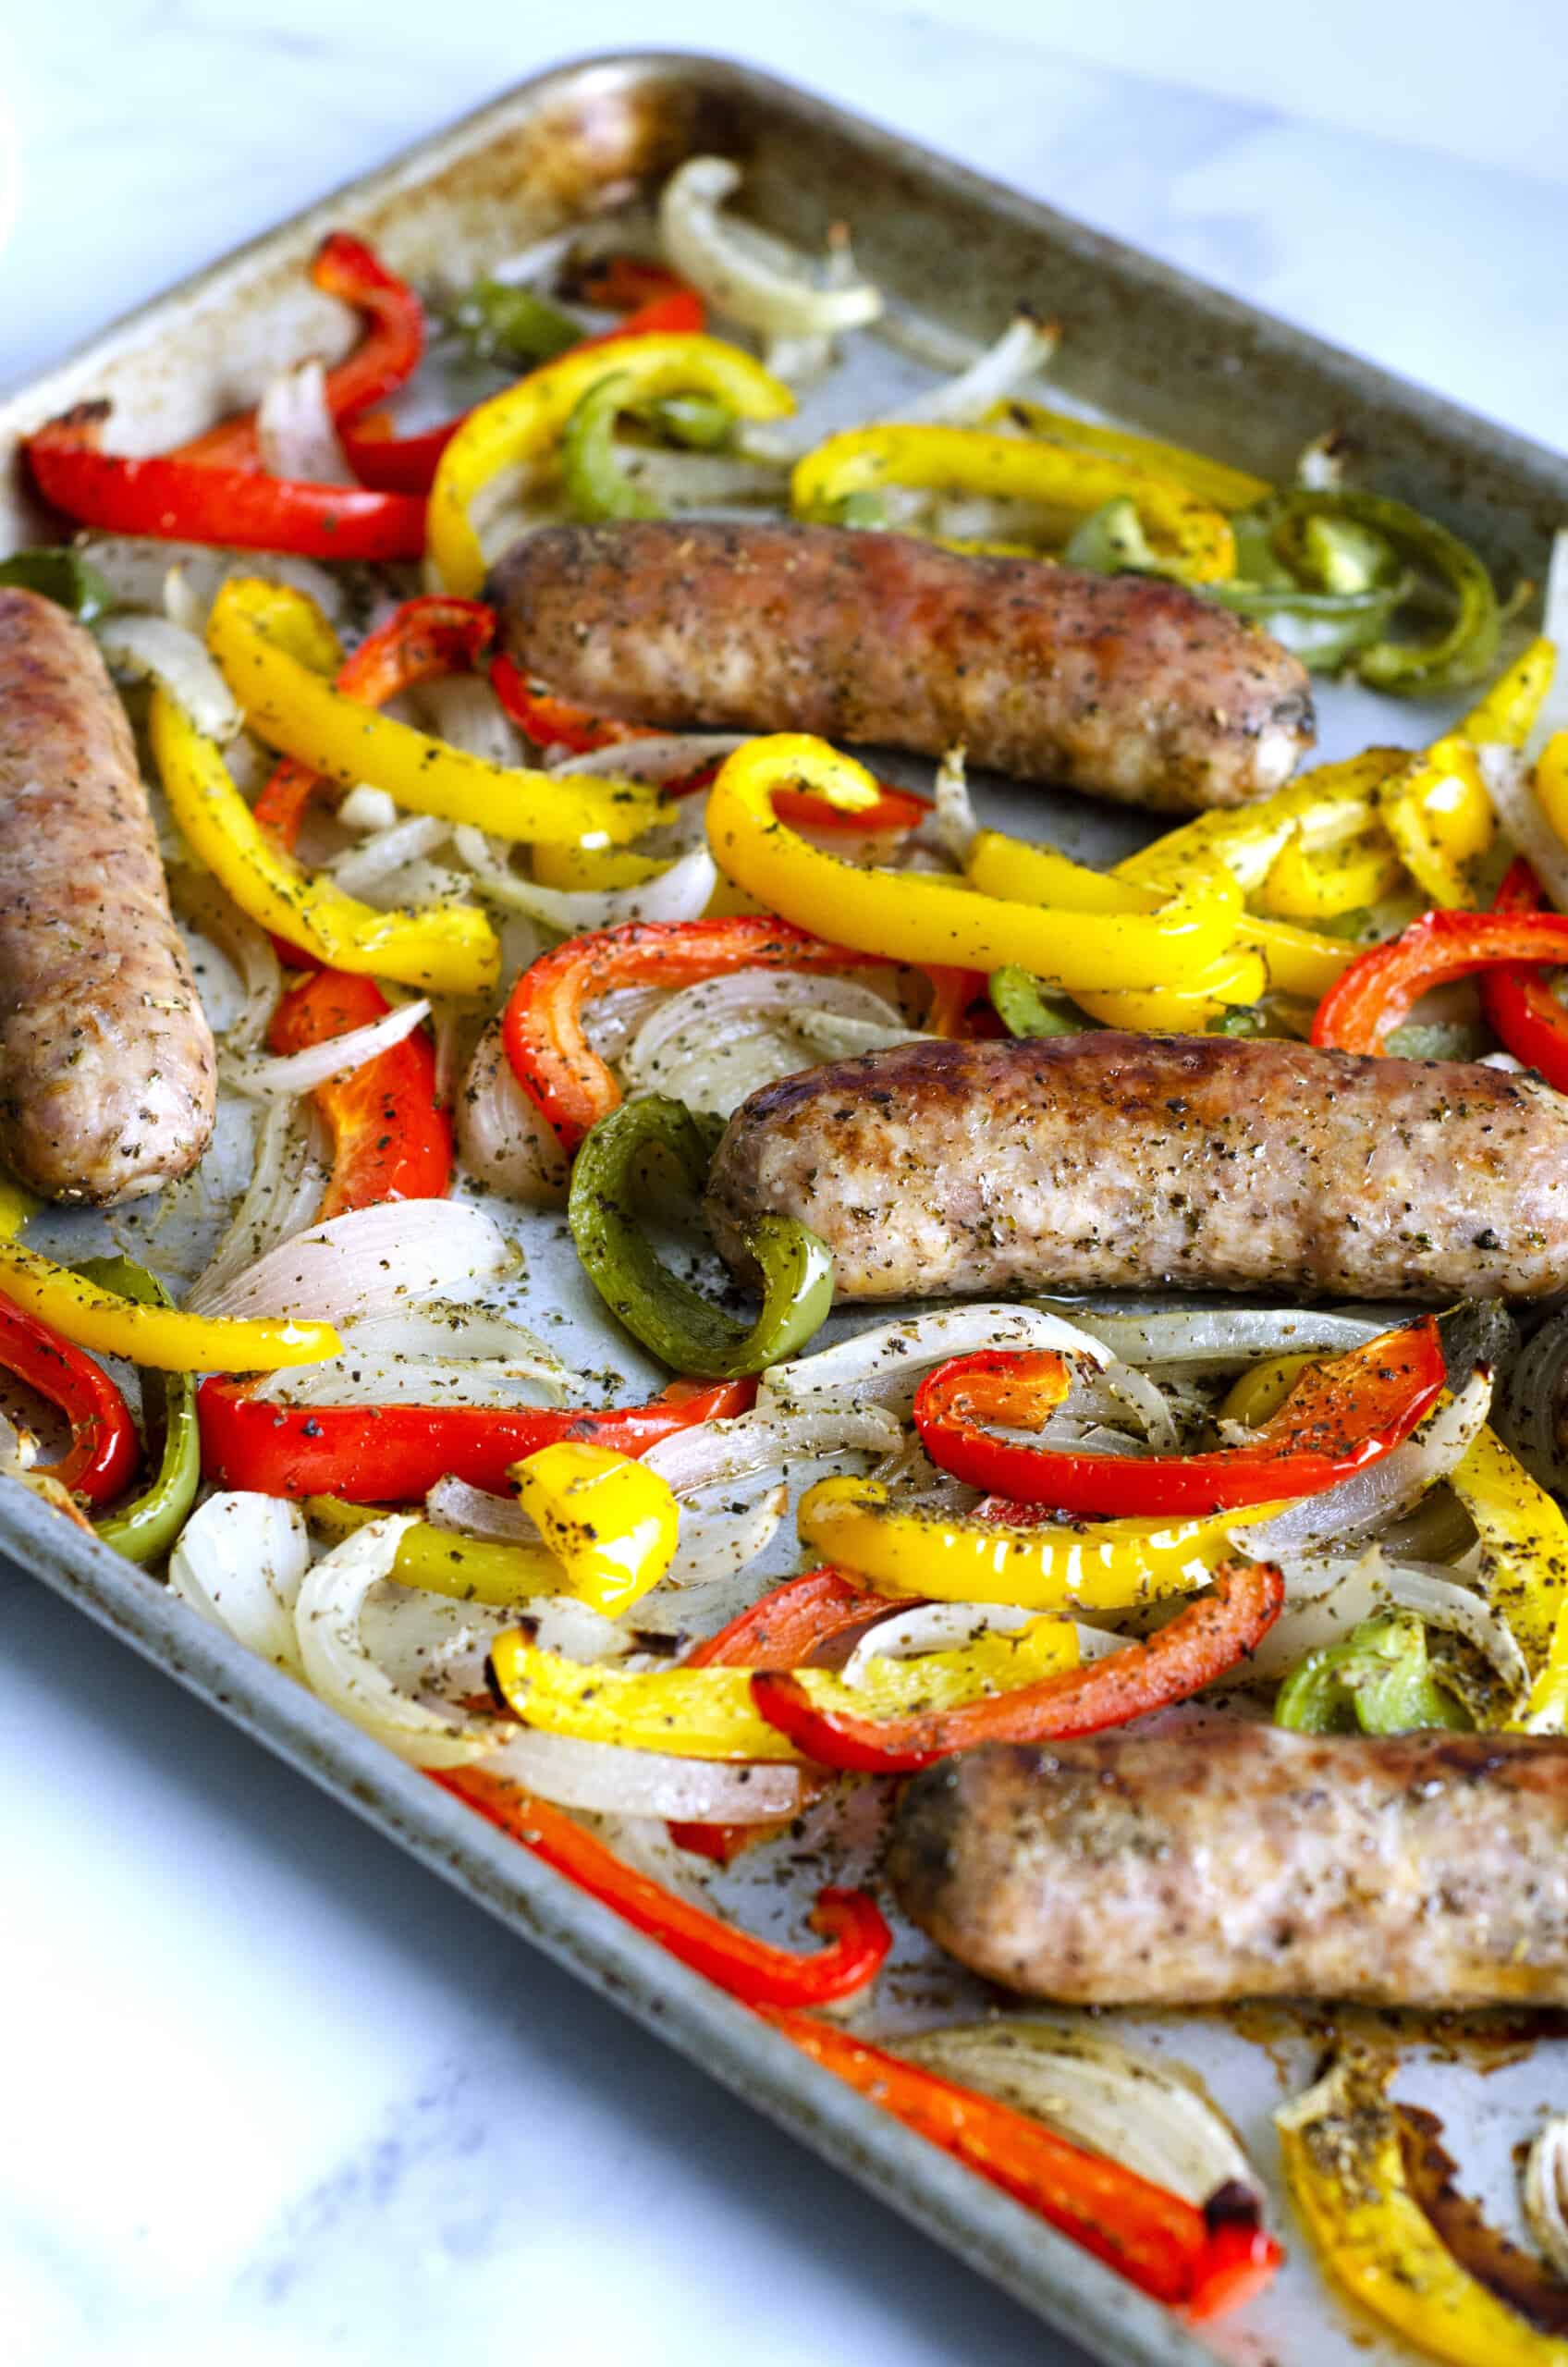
1553,715
290,1074
718,1545
1216,1337
363,1378
371,1261
198,899
607,1779
1327,1596
1153,2117
381,853
467,714
337,1663
1534,1401
151,649
713,1043
1523,821
712,1454
954,824
367,810
669,757
240,1562
1358,1506
931,343
502,1137
680,893
931,1628
575,1630
1546,2177
725,269
295,429
474,1512
706,480
885,1366
136,568
283,1194
1025,349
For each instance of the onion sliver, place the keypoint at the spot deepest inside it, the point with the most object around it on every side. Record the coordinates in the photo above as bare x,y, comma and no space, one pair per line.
1545,2185
712,1454
283,1194
1356,1507
713,1043
152,649
1326,1597
502,1137
295,1072
663,756
467,714
199,901
339,1666
681,892
1524,819
295,429
372,1261
1220,1336
885,1366
240,1560
727,270
385,852
1023,349
609,1781
1152,2117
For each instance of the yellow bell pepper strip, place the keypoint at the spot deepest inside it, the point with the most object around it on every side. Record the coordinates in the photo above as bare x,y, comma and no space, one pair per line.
1103,1565
610,1523
907,916
1213,481
1437,812
1188,536
1506,716
1524,1544
165,1338
253,634
1341,875
708,1712
1237,980
524,427
448,948
16,1206
1345,2166
438,1561
1550,783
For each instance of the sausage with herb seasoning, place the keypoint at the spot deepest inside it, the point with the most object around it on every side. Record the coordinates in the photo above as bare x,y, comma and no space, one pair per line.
1128,686
1114,1162
108,1077
1232,1860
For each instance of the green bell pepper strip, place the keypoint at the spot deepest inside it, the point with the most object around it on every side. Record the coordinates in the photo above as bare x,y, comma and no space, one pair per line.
701,422
1025,1009
1111,541
502,324
596,485
1378,1680
1461,650
676,1322
144,1530
63,576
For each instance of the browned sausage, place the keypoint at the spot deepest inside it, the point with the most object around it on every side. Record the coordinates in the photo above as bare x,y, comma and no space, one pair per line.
1112,1161
1243,1861
1126,685
107,1074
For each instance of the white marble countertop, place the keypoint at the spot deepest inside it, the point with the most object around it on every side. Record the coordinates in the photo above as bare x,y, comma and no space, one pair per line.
273,2094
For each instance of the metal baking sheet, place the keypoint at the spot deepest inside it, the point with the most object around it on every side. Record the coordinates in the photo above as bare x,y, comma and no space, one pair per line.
1150,346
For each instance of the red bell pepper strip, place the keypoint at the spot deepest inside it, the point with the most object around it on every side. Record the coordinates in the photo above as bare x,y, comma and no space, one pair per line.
1339,1418
384,359
420,642
541,1025
392,1454
1166,2246
187,501
754,1970
1518,1002
105,1449
390,1141
1202,1641
1363,1007
395,463
1161,2243
628,284
788,1628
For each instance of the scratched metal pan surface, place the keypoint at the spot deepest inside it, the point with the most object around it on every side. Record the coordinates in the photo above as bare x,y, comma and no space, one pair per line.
1145,343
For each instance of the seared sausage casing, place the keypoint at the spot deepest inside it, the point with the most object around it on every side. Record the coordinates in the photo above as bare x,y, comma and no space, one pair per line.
1126,685
108,1072
1243,1861
1110,1161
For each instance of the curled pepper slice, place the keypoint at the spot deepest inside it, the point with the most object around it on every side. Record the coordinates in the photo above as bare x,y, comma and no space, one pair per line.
1464,646
1517,1000
105,1449
188,501
451,949
523,426
1506,716
146,1528
1157,2240
1214,480
656,1307
1188,536
392,1454
959,1558
906,916
610,1524
163,1337
750,1969
1339,1418
1201,1643
1436,811
254,634
1344,2164
389,1139
440,1560
1522,1549
1382,985
542,1026
1377,1681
